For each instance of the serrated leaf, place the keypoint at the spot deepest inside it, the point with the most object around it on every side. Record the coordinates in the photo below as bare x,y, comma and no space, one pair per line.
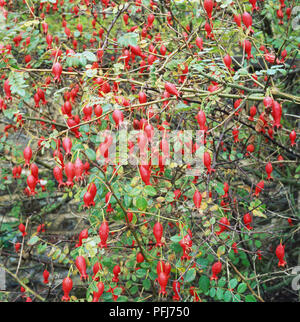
118,291
242,288
140,273
222,282
220,294
227,296
233,283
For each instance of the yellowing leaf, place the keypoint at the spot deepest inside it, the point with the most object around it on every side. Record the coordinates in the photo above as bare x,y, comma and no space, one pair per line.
207,232
160,199
31,22
171,257
247,188
66,249
143,43
258,213
199,254
221,251
214,208
144,229
203,206
206,223
134,181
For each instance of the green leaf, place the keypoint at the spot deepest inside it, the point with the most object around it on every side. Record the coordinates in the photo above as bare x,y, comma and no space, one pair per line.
106,296
33,240
135,192
82,60
242,288
118,291
245,262
170,197
212,292
236,298
134,290
140,273
222,281
202,263
180,107
250,298
107,261
130,264
176,239
227,296
258,243
89,56
147,284
226,4
9,113
149,190
271,71
56,254
122,298
210,258
233,283
84,128
173,64
220,294
219,188
91,72
91,154
41,248
15,211
204,283
141,203
190,275
129,39
127,201
221,250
